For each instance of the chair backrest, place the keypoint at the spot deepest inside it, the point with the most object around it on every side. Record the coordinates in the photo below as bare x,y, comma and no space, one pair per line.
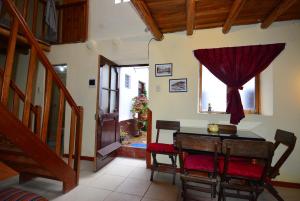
262,150
166,125
198,143
227,129
194,143
289,140
248,148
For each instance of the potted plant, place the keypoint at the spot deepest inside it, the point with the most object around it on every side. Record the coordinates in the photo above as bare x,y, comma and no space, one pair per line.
139,111
123,136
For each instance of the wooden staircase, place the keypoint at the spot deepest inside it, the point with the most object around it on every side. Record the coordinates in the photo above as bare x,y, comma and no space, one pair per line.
24,125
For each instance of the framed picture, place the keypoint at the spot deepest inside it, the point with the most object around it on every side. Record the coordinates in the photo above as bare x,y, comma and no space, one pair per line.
162,70
178,85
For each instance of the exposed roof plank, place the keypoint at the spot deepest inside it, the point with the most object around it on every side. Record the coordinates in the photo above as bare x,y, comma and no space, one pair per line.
170,16
190,16
279,10
235,9
146,16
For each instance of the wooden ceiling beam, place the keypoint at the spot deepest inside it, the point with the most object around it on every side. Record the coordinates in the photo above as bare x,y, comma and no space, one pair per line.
278,10
146,16
190,16
233,13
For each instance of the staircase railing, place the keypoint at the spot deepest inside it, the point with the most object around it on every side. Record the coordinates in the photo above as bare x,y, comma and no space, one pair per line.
37,54
18,97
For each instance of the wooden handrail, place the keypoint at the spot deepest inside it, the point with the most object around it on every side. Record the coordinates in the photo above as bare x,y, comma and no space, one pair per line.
41,55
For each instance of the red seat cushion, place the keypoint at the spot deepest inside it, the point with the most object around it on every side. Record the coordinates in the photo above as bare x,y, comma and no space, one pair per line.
14,194
161,148
242,168
201,162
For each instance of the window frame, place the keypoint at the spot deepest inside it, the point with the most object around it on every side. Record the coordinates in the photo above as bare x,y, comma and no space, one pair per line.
257,96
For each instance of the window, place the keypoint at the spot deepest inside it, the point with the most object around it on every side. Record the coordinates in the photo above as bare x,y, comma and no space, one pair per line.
121,1
213,94
127,81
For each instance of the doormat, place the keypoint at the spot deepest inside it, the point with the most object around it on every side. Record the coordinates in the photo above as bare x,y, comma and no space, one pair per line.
138,145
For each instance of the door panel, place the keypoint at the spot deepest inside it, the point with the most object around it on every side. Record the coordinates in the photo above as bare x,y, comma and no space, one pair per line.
107,136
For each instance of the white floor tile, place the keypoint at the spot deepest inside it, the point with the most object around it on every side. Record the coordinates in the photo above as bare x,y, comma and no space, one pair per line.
134,187
119,170
84,193
108,182
122,197
140,173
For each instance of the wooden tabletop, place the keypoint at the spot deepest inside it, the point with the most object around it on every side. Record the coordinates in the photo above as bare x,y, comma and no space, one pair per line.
239,135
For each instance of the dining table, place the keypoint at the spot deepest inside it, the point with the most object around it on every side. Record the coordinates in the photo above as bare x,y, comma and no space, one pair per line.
238,135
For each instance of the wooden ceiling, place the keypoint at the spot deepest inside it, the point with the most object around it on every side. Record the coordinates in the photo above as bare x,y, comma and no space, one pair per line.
167,16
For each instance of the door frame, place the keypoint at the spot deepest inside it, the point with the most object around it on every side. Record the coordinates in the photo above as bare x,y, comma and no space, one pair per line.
101,62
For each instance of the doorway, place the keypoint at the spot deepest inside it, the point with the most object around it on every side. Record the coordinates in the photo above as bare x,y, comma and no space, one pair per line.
117,85
133,85
61,70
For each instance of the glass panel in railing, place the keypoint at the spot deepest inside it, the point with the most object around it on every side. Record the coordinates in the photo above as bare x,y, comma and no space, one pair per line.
39,20
39,86
53,117
5,18
30,10
20,71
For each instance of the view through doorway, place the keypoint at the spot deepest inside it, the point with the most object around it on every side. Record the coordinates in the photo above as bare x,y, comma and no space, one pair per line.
134,83
121,125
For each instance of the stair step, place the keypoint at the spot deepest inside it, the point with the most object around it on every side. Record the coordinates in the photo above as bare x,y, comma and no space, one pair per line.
6,146
16,157
29,169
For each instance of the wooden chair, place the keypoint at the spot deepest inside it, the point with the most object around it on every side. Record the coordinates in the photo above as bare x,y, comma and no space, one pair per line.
287,139
198,163
244,168
164,149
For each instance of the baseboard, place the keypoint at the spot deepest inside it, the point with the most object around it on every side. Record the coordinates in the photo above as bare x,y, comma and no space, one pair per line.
85,158
286,184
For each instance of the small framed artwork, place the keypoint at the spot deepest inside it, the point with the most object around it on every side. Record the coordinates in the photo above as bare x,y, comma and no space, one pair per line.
178,85
163,70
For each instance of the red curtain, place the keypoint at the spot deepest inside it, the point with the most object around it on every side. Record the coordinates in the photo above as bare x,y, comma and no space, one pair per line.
235,66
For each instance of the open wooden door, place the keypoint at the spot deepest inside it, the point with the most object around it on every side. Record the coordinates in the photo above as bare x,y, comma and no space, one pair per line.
107,117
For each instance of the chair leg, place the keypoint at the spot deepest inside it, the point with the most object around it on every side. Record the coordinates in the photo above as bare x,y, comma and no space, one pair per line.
273,191
174,161
154,166
214,190
220,195
183,194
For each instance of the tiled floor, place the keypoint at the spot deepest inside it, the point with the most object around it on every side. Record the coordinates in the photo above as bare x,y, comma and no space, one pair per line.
122,180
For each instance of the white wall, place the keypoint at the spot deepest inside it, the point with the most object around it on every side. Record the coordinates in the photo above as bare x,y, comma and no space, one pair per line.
82,66
127,94
177,48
